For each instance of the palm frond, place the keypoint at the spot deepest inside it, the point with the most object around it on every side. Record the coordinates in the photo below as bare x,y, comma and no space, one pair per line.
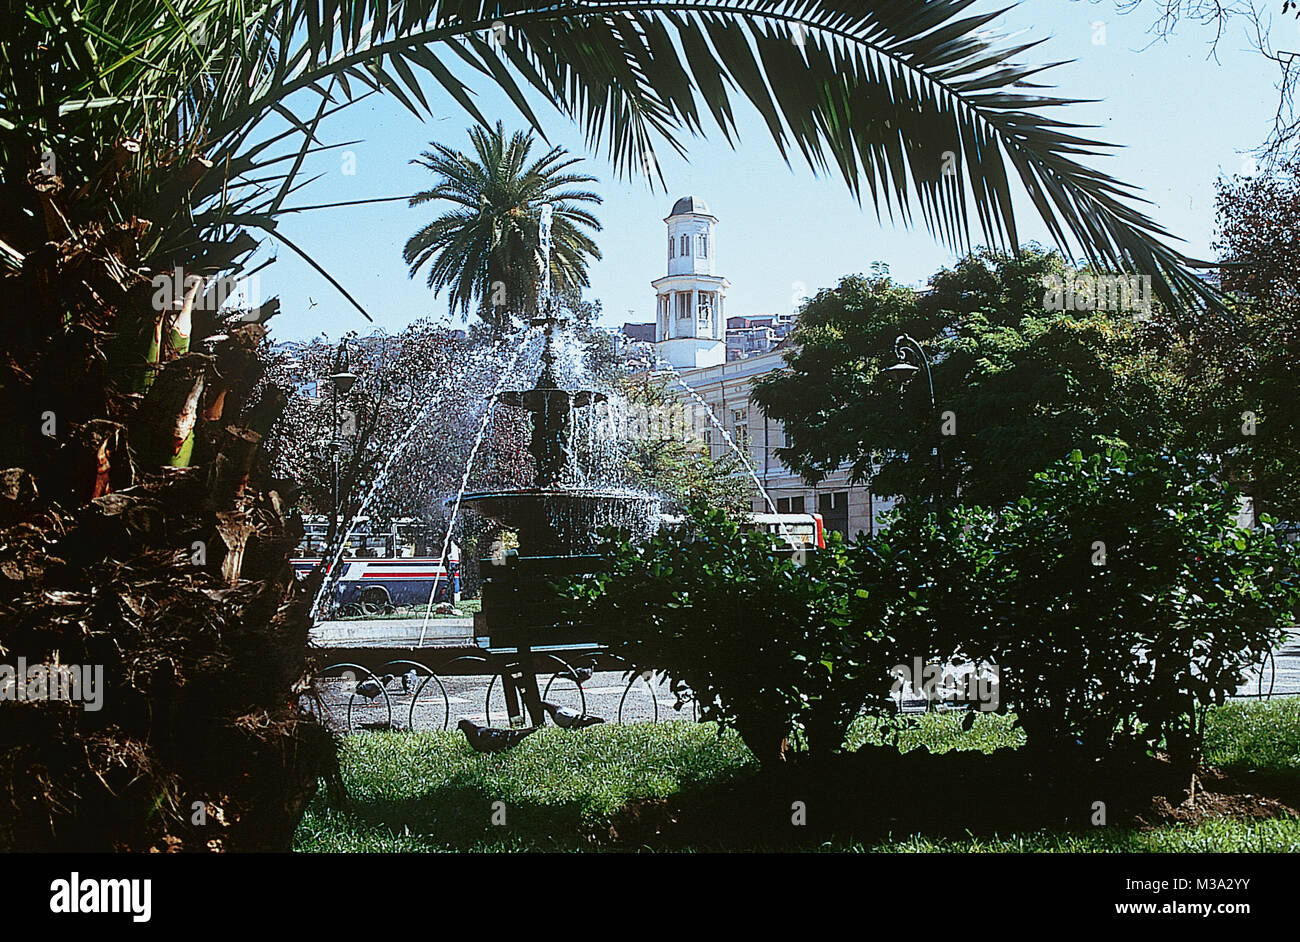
914,103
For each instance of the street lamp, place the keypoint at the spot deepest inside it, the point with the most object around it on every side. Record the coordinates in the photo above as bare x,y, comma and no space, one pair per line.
343,381
907,350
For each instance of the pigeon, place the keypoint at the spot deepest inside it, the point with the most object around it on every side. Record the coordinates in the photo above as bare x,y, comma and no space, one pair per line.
487,739
372,688
410,680
579,675
565,718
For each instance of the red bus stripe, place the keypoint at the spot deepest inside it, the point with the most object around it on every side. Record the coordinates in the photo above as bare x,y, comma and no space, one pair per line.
402,575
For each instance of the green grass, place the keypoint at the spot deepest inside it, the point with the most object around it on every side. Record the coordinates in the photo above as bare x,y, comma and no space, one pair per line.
430,792
1259,735
940,732
1279,835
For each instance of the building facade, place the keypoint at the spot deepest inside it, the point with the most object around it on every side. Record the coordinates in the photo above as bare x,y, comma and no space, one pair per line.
691,335
724,389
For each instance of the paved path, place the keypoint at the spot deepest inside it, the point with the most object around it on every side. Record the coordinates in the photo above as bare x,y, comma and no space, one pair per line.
1283,673
467,695
393,633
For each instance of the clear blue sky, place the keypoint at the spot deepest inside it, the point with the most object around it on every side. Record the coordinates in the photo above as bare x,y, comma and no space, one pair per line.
1183,120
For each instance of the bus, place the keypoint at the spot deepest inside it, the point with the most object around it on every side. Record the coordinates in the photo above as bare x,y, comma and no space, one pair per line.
382,568
806,530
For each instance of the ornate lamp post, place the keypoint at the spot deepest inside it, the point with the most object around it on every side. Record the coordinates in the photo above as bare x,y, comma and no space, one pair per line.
911,359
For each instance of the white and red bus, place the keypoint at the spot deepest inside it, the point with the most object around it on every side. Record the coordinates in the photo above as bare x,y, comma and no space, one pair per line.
382,568
806,530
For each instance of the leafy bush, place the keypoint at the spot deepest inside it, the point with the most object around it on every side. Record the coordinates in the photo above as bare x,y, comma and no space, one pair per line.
1127,599
919,589
757,637
1118,598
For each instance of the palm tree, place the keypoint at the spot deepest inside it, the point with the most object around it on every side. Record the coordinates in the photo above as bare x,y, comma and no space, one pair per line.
139,526
486,250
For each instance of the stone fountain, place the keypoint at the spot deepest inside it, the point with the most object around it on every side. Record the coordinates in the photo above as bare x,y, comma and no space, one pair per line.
558,529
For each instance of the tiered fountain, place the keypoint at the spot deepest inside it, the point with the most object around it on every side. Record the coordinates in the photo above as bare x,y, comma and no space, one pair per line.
552,520
558,528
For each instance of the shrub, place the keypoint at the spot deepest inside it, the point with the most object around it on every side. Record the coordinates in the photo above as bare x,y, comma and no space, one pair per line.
757,637
919,589
1118,598
1127,599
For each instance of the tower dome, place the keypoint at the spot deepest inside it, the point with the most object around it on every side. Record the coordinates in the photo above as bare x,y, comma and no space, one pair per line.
690,204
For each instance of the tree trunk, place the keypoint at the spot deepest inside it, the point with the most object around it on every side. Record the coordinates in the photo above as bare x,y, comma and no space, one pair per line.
163,566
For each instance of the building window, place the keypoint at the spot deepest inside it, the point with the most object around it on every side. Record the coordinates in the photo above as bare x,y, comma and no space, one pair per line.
683,304
704,245
706,307
672,247
686,246
790,505
834,508
740,425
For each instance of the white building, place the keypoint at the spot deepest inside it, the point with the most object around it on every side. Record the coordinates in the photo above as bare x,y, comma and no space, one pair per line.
690,325
690,334
725,388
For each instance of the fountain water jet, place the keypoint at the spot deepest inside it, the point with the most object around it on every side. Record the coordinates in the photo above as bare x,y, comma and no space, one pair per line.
464,482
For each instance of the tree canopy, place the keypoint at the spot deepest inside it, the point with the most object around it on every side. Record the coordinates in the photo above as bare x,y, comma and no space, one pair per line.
1016,386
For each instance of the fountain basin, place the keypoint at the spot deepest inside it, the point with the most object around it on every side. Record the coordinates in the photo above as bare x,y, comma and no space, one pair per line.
542,400
564,522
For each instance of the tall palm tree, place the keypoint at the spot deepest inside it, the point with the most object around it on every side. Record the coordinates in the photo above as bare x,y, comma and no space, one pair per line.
142,136
486,250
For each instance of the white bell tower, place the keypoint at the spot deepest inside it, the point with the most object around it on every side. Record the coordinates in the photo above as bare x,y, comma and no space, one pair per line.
690,325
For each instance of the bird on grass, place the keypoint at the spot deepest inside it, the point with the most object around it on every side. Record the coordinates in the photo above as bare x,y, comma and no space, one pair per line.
565,718
487,739
372,688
